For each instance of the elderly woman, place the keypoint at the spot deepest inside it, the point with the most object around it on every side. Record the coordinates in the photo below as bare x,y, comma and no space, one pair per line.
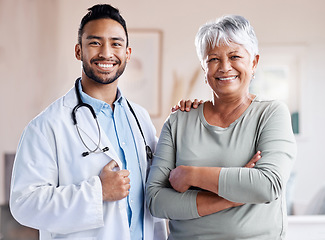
198,179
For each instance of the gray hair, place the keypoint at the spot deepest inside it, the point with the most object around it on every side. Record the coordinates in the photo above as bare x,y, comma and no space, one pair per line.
229,28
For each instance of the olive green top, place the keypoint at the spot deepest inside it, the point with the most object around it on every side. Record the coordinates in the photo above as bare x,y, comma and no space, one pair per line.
188,139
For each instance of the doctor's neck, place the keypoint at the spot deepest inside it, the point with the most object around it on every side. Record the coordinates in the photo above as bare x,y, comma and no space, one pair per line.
103,92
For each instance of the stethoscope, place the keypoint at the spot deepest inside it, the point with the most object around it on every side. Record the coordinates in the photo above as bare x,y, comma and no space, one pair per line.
97,149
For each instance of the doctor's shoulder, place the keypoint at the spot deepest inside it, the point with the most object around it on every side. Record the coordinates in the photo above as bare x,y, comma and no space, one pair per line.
55,113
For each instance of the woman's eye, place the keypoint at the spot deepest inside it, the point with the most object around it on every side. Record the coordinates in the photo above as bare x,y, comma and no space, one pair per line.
235,57
212,59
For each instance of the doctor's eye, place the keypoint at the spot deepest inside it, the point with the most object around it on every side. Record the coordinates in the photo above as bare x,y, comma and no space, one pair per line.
117,44
94,43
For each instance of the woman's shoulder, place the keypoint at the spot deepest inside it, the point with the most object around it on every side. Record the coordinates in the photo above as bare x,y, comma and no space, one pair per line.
269,106
183,116
268,103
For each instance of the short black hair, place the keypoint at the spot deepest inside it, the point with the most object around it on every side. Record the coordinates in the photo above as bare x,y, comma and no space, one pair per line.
100,11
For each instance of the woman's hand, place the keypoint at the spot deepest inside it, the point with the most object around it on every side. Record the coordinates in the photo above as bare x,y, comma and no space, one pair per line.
186,105
253,161
208,202
180,177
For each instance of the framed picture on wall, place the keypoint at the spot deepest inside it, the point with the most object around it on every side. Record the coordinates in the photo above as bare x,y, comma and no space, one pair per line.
141,81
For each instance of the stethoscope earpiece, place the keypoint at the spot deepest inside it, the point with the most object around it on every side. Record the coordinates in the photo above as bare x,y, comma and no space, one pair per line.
85,154
105,149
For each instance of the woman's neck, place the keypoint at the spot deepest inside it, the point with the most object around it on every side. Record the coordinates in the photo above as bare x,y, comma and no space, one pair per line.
223,112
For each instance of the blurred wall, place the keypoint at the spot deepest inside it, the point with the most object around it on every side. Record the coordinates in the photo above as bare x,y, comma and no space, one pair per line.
37,62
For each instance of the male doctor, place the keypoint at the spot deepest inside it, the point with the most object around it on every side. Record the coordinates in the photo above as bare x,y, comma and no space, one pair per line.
74,177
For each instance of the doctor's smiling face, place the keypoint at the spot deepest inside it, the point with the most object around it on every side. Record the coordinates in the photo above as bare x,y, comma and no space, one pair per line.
103,51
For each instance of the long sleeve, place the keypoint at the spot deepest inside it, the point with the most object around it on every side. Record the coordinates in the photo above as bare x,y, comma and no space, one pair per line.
163,201
188,139
39,200
266,181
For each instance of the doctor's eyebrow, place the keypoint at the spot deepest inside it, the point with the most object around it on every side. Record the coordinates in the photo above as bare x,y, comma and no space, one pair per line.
100,38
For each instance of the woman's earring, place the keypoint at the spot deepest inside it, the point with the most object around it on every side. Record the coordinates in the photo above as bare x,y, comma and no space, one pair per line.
253,76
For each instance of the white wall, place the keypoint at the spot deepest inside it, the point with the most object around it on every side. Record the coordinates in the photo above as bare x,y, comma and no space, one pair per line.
37,62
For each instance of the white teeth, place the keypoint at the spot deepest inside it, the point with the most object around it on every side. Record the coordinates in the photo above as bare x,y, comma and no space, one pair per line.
229,78
105,65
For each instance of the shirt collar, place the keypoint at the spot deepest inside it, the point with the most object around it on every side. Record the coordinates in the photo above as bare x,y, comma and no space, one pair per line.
97,104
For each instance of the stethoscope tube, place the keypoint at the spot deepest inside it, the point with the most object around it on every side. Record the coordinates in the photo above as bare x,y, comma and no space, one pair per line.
148,149
74,119
97,148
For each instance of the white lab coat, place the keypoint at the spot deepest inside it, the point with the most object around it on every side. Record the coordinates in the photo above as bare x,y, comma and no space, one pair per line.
56,190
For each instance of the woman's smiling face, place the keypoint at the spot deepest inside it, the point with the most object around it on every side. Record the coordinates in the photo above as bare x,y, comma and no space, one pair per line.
229,70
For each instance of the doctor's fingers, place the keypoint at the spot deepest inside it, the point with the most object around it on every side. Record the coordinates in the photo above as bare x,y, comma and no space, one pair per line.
123,178
111,165
196,103
125,189
124,173
126,180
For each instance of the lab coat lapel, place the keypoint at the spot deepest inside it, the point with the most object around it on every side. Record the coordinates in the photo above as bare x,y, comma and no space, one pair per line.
111,152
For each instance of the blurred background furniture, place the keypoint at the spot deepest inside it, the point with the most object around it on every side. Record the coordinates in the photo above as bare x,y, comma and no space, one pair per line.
317,204
10,229
306,227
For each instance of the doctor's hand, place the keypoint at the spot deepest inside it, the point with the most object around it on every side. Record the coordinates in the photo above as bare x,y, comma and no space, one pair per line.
186,105
115,184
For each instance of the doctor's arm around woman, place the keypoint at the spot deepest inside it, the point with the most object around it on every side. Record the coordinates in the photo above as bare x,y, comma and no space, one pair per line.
199,178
